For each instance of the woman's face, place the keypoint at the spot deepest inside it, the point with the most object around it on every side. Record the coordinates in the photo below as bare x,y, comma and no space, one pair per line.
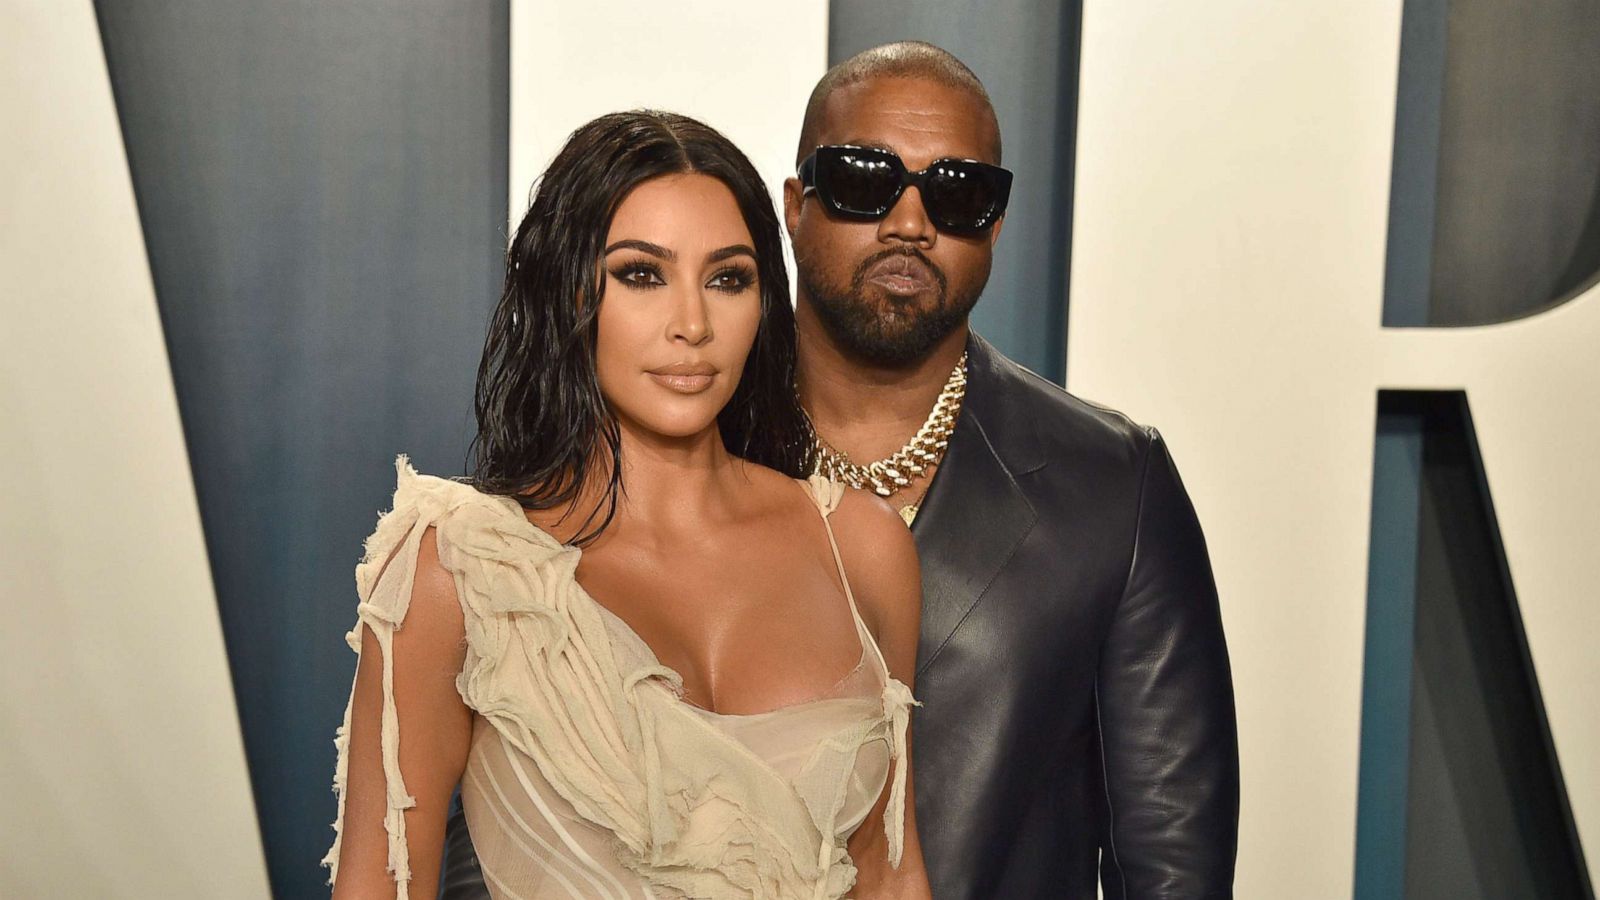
681,305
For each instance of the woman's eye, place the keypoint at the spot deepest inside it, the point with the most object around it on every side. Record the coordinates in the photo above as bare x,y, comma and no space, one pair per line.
732,280
638,276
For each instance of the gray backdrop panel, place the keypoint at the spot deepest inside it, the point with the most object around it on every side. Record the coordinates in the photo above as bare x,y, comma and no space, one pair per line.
323,193
1495,204
1518,221
1461,794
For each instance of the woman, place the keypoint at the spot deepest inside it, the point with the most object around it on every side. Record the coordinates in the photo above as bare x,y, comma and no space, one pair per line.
659,661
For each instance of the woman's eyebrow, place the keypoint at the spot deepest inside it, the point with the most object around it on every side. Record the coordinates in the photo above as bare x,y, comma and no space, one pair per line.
730,251
655,250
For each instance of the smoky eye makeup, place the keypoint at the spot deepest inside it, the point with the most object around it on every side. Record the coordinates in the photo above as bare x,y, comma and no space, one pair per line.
644,274
733,279
637,273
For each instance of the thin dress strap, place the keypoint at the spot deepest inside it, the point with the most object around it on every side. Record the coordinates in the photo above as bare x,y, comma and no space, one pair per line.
896,696
827,494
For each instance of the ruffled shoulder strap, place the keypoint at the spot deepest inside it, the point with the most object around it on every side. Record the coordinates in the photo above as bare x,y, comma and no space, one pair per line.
468,521
419,501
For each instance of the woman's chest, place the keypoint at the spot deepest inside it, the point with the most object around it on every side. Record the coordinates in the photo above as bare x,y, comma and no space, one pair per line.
749,625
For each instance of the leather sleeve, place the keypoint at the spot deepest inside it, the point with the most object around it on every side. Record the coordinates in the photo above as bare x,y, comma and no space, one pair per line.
460,878
1164,695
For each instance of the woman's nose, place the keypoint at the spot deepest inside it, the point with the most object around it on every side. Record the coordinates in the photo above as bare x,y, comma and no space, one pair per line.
690,321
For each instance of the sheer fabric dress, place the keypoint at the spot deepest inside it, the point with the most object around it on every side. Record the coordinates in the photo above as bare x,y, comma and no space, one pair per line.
589,773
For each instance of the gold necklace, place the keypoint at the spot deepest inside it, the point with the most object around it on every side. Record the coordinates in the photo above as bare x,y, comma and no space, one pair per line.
926,448
910,510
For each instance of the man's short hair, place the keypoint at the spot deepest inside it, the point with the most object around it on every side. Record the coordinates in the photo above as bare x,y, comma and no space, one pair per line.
901,59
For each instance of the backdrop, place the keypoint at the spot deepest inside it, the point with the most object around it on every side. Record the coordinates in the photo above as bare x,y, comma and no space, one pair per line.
1343,256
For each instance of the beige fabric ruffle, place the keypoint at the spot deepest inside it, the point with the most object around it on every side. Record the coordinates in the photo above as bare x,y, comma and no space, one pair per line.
691,809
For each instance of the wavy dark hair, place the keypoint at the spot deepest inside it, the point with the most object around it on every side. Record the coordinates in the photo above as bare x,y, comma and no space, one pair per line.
544,430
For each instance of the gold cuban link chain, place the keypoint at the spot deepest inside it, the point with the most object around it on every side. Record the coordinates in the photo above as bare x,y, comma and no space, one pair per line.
925,449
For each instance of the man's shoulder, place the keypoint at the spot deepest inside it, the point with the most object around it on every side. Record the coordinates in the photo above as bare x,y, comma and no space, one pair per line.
1031,420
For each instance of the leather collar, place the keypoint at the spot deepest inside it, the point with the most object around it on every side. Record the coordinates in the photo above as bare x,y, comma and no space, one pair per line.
975,514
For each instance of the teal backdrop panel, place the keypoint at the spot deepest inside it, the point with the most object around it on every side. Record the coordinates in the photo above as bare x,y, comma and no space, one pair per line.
322,190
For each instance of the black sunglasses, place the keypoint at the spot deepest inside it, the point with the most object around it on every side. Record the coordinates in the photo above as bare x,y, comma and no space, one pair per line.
963,196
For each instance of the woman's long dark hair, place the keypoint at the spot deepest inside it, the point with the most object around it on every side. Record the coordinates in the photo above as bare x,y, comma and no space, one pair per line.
543,427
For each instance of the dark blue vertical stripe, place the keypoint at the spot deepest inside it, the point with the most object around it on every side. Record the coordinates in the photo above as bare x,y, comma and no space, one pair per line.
322,188
1386,676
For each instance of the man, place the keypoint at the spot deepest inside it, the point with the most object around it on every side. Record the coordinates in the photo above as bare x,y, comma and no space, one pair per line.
1078,708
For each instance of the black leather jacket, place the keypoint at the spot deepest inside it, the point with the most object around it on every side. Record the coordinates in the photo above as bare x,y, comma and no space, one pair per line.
1077,702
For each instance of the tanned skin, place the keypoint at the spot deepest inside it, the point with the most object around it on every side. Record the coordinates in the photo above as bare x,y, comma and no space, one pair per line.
723,567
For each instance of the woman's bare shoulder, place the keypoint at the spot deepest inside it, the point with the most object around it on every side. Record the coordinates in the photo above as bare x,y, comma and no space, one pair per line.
872,537
871,520
881,561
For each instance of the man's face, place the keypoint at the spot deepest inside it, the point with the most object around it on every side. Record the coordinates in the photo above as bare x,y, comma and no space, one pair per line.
888,291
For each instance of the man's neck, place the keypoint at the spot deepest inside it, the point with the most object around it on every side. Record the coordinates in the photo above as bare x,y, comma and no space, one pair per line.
867,411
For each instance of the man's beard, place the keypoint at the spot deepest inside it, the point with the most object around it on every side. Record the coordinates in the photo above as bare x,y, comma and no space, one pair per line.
899,335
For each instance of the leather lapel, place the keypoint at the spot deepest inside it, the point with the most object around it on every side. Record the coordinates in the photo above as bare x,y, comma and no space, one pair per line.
971,522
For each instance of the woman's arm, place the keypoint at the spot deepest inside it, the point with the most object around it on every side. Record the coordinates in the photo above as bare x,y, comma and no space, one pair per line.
435,728
881,562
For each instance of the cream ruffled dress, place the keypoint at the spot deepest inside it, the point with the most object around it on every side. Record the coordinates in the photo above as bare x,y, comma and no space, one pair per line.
589,774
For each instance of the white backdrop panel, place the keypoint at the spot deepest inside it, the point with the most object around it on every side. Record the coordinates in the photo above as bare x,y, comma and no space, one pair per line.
121,764
743,68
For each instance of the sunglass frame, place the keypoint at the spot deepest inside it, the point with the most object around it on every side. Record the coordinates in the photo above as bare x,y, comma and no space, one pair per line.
813,179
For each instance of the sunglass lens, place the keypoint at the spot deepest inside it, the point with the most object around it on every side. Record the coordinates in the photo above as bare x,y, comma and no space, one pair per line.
858,183
962,196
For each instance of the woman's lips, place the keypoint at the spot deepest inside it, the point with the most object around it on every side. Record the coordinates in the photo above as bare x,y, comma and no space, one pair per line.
684,378
683,384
